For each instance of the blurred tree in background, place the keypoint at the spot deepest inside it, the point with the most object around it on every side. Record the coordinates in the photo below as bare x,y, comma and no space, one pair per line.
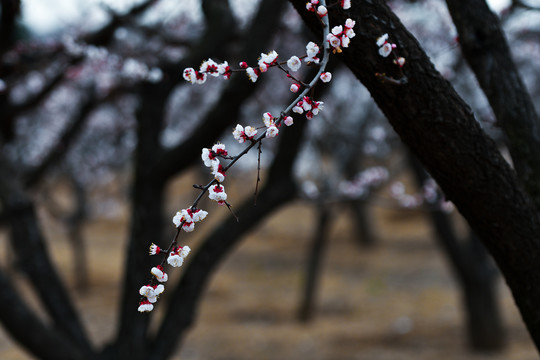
90,102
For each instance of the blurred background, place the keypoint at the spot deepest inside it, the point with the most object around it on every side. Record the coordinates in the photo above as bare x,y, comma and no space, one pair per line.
351,251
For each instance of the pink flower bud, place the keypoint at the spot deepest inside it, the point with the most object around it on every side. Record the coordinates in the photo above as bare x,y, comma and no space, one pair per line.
288,120
154,249
326,77
400,61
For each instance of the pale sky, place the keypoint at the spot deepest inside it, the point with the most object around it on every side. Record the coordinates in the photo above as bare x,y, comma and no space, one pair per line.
45,16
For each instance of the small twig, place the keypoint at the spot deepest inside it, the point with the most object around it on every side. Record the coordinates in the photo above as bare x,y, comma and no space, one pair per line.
289,75
229,206
259,149
401,81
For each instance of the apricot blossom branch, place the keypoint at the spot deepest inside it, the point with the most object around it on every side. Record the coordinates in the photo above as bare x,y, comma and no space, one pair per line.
333,41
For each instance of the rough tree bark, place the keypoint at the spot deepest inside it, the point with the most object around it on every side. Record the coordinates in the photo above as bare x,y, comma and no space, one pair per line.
440,129
485,48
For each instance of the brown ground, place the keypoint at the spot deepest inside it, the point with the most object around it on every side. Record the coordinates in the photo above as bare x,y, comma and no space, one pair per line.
396,301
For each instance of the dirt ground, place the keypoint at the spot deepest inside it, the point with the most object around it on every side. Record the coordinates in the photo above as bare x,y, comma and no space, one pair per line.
396,301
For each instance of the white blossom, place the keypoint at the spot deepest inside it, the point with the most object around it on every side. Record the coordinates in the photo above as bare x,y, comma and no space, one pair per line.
160,275
217,193
382,39
175,260
288,120
250,132
385,50
185,251
322,11
326,77
199,215
272,131
294,63
188,226
252,74
206,156
177,219
145,306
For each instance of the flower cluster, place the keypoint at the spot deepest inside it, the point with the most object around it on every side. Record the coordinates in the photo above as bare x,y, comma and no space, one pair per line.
313,6
341,36
151,293
210,159
177,256
208,67
309,106
184,219
242,134
159,273
188,217
217,193
385,49
271,128
312,50
267,60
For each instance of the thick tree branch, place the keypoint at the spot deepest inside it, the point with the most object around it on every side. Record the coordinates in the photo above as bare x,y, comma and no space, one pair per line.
28,243
36,337
485,48
441,131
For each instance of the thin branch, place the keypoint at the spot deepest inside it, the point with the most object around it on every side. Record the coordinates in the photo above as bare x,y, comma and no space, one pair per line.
259,152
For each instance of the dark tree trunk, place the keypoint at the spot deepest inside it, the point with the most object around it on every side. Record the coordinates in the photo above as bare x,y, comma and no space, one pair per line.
33,258
146,225
485,48
475,275
362,219
75,223
314,262
442,132
484,321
